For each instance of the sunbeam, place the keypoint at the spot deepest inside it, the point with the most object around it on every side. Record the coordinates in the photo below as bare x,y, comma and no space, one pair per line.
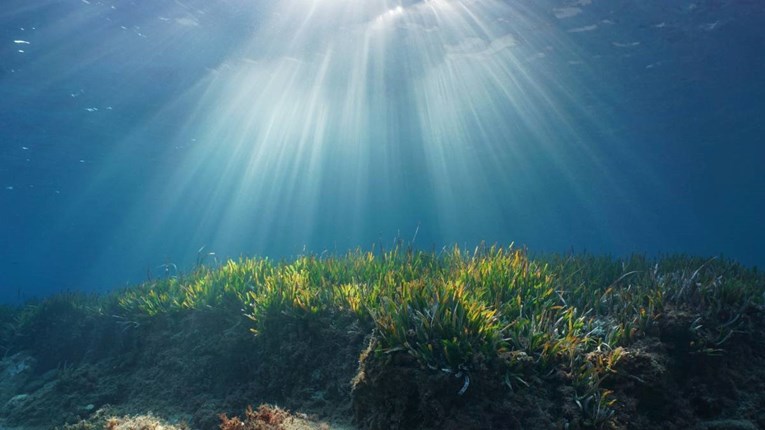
334,112
278,127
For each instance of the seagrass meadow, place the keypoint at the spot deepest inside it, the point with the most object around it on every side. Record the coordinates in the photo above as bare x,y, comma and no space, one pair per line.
401,338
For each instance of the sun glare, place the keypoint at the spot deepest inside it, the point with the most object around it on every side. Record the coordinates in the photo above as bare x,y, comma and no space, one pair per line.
330,111
360,100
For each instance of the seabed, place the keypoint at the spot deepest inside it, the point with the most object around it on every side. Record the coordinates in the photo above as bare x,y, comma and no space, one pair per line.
400,338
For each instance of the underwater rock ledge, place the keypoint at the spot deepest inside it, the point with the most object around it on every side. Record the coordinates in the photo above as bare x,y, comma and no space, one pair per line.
398,339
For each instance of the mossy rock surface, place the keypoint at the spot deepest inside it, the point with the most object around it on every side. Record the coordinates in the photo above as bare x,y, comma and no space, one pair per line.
403,340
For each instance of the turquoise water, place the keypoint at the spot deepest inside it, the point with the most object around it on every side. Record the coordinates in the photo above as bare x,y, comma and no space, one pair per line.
137,137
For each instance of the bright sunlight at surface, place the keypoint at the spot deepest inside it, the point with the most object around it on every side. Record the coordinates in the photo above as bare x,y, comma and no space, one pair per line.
154,128
362,104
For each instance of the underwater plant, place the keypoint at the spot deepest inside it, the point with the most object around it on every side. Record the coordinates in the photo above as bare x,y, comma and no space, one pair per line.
492,313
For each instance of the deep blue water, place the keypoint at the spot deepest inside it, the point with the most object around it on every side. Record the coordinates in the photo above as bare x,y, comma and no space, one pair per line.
134,133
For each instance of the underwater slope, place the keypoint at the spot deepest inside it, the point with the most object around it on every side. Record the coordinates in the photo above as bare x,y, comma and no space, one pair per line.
490,338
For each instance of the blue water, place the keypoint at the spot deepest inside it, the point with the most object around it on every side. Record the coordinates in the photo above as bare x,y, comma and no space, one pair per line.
137,136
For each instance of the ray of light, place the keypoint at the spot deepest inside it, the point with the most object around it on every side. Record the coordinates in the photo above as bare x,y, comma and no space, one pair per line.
335,113
331,122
